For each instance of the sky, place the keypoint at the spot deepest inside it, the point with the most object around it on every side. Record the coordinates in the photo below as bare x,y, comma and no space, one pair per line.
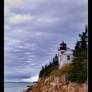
34,29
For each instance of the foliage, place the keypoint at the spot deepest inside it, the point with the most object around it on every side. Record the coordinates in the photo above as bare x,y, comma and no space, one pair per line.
78,71
45,71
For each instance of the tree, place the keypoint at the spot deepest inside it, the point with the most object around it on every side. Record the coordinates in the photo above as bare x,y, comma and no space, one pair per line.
78,70
82,44
84,39
47,69
41,72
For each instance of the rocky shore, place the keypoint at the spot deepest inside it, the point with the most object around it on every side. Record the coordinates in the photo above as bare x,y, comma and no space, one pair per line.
32,88
57,85
57,82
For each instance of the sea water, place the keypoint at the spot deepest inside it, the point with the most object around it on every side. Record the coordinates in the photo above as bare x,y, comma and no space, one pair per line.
15,87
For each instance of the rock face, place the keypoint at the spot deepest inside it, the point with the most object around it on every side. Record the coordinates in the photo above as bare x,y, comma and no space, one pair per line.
60,85
57,84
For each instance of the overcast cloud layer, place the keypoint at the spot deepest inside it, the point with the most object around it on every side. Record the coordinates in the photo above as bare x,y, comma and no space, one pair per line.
33,31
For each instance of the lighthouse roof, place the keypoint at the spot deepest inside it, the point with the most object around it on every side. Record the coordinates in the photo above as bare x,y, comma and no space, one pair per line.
63,43
68,51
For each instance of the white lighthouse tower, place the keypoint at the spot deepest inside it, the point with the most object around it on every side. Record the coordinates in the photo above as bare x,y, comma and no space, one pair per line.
65,55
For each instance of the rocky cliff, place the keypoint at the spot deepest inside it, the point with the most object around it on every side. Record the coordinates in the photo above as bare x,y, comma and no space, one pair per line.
57,82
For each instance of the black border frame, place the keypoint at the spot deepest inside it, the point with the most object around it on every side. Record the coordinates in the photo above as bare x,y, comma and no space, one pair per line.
2,46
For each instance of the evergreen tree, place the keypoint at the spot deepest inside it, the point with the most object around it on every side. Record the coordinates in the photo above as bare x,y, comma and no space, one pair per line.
47,69
84,39
41,72
81,45
78,70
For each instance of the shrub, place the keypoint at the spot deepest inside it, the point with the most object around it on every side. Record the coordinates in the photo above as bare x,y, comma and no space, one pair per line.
78,75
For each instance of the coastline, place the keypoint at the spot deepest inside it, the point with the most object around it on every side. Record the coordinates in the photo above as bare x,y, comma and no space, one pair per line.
46,86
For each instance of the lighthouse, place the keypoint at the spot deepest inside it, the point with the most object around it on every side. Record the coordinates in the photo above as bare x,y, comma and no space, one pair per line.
65,55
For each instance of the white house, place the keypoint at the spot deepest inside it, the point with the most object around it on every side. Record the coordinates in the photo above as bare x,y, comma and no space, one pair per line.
65,55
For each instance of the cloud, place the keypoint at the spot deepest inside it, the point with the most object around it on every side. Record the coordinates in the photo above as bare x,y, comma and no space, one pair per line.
19,18
36,29
7,27
12,42
12,4
18,30
31,79
7,48
46,20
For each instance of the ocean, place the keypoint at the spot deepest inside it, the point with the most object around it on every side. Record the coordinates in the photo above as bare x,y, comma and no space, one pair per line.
15,87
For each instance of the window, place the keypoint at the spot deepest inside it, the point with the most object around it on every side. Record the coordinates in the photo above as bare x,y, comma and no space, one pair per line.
68,57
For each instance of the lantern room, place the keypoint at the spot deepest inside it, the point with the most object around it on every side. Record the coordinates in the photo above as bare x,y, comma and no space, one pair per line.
63,46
